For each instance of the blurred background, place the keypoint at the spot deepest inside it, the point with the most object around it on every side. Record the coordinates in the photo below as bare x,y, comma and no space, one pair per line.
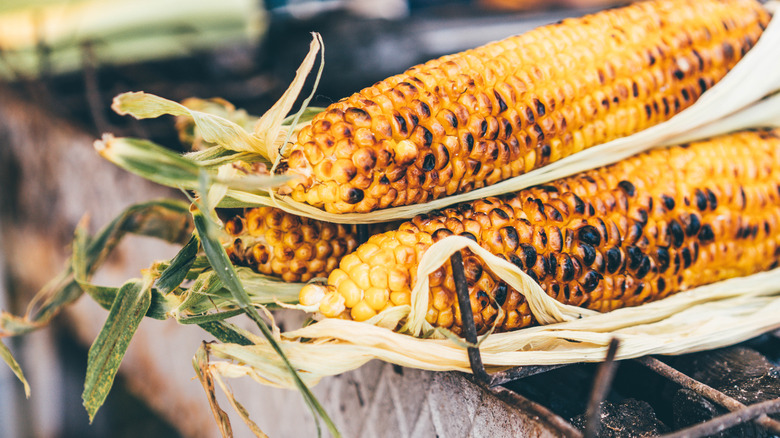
61,63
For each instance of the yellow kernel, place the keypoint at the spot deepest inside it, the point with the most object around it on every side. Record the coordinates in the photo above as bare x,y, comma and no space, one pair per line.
360,275
351,292
365,250
312,294
362,311
431,315
349,262
377,298
401,298
336,277
446,318
398,280
332,305
378,276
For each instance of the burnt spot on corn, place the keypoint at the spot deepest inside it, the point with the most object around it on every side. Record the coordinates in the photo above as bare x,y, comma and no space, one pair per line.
668,202
590,235
706,234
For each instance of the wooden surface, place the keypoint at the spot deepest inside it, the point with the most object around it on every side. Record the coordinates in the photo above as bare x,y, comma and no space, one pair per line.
51,177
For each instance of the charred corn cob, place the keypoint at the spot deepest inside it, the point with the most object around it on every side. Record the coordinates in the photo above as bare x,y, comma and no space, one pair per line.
472,119
633,232
280,244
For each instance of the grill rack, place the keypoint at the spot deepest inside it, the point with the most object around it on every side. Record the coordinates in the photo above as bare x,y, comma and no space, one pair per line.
739,413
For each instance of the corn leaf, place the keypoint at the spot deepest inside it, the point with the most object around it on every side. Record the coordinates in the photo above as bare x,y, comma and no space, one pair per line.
213,128
180,265
201,365
105,355
224,269
8,358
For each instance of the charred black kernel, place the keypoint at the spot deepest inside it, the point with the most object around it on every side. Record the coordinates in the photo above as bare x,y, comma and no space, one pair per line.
686,257
766,227
588,254
539,133
517,261
679,74
706,234
483,298
427,137
686,95
402,124
676,104
661,284
655,107
579,206
678,236
477,168
668,202
644,267
472,270
415,120
500,213
509,235
555,289
728,51
453,121
483,126
542,236
591,210
602,78
591,281
500,294
493,150
529,253
546,151
590,235
533,276
635,89
614,260
429,162
354,195
652,59
566,292
507,128
712,199
566,268
469,141
702,85
529,116
553,213
468,235
548,188
425,110
627,187
666,106
545,265
501,104
605,103
701,200
641,216
635,257
692,224
699,58
540,108
421,178
384,180
552,265
677,265
441,233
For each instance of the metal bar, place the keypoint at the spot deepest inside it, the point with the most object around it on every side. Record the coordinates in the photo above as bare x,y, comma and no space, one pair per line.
467,317
515,373
362,233
551,418
705,391
601,385
723,422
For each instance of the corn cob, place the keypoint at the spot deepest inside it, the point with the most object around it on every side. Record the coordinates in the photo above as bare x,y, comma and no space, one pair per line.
280,244
472,119
633,232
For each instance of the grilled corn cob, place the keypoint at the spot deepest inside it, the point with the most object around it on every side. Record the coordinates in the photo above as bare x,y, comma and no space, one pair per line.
636,231
280,244
475,118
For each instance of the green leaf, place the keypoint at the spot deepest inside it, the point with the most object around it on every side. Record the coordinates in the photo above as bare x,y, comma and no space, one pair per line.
180,265
5,353
222,266
225,333
105,355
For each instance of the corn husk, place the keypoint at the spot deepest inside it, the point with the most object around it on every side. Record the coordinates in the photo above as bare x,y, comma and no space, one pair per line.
49,36
716,112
